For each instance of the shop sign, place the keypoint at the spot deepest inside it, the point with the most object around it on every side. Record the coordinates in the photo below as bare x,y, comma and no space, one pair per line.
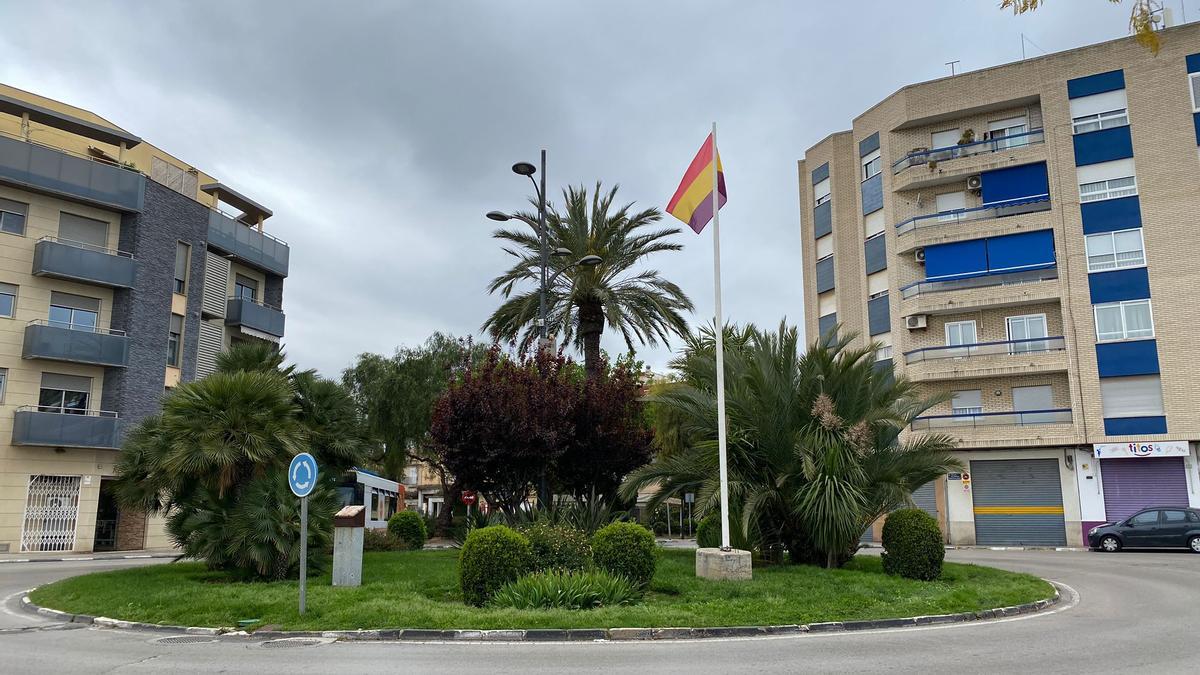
1147,449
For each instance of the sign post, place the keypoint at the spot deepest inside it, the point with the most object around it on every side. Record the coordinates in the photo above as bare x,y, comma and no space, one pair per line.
302,479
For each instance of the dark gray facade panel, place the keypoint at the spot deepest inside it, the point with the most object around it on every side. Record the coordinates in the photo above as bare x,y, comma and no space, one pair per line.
64,261
879,316
825,276
868,145
248,245
56,430
42,169
43,341
876,254
242,312
273,293
823,220
820,173
872,194
826,325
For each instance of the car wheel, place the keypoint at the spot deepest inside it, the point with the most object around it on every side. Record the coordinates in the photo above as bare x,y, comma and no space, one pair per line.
1194,544
1110,544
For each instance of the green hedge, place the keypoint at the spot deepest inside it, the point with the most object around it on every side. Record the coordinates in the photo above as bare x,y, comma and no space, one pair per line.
708,534
566,590
626,550
912,545
558,548
490,558
409,528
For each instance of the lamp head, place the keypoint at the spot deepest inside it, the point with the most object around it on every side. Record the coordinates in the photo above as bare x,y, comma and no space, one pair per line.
524,169
498,216
561,252
590,260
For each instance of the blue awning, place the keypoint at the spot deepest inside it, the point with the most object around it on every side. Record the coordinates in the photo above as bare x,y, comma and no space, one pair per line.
1014,182
1021,251
957,260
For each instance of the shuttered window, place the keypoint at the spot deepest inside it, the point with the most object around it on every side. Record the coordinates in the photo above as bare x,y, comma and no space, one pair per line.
8,300
1138,396
12,216
82,230
183,253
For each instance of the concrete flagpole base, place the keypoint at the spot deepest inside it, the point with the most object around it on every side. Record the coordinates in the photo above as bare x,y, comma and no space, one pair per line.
719,565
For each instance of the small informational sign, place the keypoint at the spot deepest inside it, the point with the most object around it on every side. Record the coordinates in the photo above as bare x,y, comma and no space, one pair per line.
468,497
954,476
1141,449
689,497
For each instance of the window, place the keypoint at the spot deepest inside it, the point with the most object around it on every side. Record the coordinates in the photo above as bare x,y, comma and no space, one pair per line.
821,192
1033,402
1133,396
1002,129
1145,518
1108,189
1026,327
79,230
183,254
64,394
960,333
825,247
948,204
944,139
1193,517
245,288
75,312
1115,250
3,382
884,353
12,216
1194,83
1174,516
1098,121
174,340
968,402
872,164
1125,320
8,300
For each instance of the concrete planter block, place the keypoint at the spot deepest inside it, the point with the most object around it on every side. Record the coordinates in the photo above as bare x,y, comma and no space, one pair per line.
718,565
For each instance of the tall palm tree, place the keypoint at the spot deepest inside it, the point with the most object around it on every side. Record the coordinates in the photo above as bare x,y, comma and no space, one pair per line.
582,301
814,446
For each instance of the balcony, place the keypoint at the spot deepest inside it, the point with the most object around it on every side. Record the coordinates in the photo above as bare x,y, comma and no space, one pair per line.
254,317
1005,419
247,244
947,226
969,149
982,292
75,344
949,164
75,261
987,359
49,170
54,428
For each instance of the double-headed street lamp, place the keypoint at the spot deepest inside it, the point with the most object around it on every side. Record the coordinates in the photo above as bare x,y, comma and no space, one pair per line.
527,169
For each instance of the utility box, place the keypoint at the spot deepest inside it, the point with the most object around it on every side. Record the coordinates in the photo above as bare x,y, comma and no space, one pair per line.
348,527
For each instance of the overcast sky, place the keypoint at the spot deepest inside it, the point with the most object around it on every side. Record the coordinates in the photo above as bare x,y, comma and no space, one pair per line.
380,133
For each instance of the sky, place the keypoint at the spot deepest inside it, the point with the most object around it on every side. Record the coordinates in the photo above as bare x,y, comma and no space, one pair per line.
380,133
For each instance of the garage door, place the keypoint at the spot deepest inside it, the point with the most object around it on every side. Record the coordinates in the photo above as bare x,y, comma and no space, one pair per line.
1132,484
1018,502
925,497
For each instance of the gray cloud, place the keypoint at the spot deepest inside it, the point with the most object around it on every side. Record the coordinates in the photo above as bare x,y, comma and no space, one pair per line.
381,132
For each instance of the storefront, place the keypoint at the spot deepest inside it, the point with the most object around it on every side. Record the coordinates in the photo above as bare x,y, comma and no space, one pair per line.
1120,479
1018,502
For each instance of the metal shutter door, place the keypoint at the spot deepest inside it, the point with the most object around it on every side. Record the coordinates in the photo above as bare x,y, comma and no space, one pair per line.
925,497
1133,484
1018,502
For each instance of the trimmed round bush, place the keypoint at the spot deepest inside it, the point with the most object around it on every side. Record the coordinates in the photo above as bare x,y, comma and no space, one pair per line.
490,558
708,533
558,548
912,545
626,550
409,528
565,590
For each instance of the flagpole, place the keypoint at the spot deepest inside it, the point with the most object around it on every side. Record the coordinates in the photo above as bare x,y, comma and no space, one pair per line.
716,208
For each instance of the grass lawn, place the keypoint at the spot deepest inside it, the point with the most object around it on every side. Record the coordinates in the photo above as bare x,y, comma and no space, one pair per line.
419,589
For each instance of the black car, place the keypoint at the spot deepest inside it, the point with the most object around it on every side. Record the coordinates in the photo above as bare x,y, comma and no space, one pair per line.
1158,527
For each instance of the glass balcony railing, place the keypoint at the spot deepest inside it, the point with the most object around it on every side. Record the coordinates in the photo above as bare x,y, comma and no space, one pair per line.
45,169
1010,207
974,420
246,313
920,288
73,343
60,428
76,261
969,149
1006,347
247,244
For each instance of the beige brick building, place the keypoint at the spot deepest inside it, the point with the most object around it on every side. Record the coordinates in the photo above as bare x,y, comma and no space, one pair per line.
1021,238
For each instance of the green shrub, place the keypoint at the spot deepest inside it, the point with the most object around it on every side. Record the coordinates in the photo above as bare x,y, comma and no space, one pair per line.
626,550
490,558
565,590
409,528
558,548
708,534
381,540
912,545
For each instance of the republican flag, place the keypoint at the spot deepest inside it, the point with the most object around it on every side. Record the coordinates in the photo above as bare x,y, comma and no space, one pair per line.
693,201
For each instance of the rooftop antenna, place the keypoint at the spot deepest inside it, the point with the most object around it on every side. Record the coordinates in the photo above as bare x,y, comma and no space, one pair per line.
951,64
1025,39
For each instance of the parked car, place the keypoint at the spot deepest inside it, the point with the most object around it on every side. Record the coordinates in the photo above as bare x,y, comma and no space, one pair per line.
1159,527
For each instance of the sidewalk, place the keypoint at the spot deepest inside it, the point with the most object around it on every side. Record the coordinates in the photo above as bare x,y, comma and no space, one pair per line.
64,556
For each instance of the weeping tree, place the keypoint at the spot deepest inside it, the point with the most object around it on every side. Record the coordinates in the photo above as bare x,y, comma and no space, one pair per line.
815,452
214,461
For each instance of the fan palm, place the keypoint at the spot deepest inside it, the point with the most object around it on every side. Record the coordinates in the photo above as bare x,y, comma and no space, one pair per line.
814,447
582,301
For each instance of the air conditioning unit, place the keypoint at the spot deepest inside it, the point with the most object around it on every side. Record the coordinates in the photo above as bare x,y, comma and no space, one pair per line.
919,255
975,183
915,321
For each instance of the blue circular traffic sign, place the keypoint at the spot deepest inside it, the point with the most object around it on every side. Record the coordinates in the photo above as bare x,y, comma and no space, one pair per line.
302,474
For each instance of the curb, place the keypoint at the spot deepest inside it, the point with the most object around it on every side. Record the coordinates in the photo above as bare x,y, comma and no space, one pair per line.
557,635
90,558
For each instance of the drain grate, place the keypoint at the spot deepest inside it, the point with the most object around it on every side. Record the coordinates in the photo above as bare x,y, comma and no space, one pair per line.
183,640
283,643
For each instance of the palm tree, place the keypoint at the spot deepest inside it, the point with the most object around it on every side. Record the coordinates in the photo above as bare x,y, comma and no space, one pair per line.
582,301
814,446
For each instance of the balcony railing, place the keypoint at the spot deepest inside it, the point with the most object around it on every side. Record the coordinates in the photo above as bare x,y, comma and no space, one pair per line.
1010,207
1021,418
1005,347
55,427
248,244
1010,279
75,343
45,169
969,149
77,261
246,313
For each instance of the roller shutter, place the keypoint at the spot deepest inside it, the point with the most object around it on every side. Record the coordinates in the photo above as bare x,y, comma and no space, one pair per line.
1133,484
1018,502
925,498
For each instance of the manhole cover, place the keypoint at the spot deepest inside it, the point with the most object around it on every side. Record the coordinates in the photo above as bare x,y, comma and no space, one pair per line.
184,640
283,643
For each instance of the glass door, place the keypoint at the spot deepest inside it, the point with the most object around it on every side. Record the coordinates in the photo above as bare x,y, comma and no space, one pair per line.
1023,332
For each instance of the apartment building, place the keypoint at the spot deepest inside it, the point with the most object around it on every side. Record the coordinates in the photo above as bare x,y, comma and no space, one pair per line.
1021,239
122,274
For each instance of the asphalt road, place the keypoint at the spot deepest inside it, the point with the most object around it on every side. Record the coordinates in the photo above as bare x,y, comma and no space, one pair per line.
1136,612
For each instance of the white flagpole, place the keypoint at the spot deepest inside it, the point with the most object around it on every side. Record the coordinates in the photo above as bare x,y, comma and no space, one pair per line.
716,207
